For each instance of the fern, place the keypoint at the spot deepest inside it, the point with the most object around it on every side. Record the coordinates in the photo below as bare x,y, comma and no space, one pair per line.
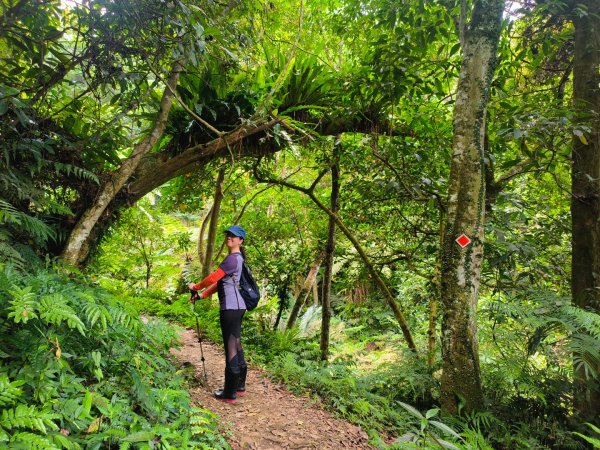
116,384
23,305
10,392
54,309
576,319
586,354
52,206
23,416
121,317
115,433
63,441
9,255
31,225
31,441
139,436
77,171
94,313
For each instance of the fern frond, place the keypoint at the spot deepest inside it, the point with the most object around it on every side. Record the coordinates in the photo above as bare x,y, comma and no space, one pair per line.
121,317
31,225
586,354
575,319
9,391
77,171
23,305
24,416
10,256
54,309
115,433
94,313
592,440
140,436
31,441
63,441
50,205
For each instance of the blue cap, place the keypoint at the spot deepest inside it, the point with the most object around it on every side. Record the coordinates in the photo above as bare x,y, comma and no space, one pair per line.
236,230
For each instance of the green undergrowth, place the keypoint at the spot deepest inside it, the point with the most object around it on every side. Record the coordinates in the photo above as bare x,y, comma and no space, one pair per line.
371,380
370,399
80,370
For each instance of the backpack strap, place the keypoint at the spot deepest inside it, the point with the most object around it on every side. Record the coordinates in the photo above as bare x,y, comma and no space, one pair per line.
236,283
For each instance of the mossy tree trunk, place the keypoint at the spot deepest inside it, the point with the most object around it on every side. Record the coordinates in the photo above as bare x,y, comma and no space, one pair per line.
585,180
461,268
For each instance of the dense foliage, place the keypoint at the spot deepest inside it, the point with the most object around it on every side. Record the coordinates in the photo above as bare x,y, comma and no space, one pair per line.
273,94
79,369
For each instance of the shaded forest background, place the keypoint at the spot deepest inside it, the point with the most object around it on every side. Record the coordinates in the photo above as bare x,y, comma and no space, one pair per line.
355,141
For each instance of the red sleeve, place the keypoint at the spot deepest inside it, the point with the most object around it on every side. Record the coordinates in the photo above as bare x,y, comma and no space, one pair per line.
209,291
211,279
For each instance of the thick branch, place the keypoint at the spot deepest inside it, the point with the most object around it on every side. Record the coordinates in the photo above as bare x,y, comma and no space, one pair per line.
156,169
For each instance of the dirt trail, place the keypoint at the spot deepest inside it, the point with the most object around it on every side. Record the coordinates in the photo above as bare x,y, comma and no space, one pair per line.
268,416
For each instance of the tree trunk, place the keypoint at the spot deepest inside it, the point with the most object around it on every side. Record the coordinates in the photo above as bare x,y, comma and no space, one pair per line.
201,233
435,290
329,252
461,268
207,264
585,180
304,291
282,296
76,250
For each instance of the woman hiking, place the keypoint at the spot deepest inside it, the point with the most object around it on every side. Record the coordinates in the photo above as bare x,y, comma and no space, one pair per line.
223,281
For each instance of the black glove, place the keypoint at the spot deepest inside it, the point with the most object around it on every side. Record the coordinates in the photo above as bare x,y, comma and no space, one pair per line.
194,296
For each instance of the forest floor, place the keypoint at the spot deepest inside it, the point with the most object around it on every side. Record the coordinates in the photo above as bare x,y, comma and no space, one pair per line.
268,416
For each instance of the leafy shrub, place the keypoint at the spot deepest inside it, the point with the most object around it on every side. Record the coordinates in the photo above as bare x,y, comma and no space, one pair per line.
79,369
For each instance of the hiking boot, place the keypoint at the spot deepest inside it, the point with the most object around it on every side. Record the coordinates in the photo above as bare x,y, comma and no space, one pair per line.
227,394
241,389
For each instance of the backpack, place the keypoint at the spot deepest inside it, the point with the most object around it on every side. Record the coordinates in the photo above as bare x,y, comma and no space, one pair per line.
247,287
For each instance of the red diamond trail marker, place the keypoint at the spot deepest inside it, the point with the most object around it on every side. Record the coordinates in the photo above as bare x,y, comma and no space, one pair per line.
463,240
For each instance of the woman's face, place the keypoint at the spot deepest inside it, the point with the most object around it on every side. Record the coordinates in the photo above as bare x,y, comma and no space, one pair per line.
232,240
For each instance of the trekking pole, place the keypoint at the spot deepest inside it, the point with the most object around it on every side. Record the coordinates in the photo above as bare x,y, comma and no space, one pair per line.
195,297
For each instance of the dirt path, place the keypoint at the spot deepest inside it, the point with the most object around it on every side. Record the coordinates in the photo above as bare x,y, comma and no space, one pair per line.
268,416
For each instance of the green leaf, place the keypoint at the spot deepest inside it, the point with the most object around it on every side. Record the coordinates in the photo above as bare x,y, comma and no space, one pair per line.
87,405
140,436
10,392
412,410
445,428
595,442
446,444
432,413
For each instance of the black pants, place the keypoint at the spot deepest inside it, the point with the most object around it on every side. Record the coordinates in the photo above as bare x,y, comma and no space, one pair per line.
231,328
